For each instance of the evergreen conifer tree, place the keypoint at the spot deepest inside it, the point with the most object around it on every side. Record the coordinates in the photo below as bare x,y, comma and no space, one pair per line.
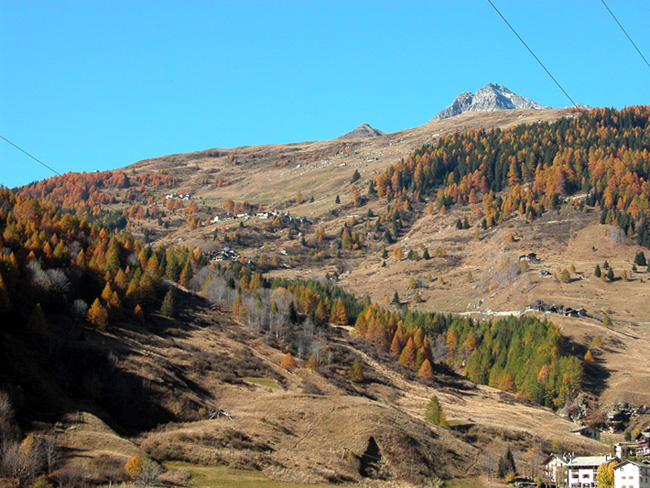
356,371
434,412
168,307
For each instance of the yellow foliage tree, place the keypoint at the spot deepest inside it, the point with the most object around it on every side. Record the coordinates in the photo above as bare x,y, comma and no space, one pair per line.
589,358
340,315
288,362
133,466
426,371
97,315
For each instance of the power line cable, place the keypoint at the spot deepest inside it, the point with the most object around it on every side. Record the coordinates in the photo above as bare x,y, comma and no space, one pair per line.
47,166
626,34
532,53
31,156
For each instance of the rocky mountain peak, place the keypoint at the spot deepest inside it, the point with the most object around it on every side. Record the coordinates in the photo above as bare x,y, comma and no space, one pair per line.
364,130
490,98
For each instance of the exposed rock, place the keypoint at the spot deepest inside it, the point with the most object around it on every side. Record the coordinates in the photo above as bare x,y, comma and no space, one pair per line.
490,98
364,130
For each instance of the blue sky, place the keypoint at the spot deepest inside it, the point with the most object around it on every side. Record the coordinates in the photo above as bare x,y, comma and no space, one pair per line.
103,84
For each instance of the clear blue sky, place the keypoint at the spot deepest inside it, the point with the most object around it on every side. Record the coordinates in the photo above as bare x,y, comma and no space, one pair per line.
102,84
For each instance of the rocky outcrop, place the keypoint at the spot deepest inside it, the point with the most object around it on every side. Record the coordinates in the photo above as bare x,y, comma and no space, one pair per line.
364,130
490,98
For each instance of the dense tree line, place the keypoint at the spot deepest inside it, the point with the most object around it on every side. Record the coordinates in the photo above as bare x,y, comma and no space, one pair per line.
522,355
53,261
530,168
83,194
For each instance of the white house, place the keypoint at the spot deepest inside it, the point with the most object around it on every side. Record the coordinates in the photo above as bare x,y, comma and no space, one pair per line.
631,474
554,468
581,470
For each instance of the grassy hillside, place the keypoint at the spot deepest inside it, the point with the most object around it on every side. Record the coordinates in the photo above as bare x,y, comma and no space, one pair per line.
391,233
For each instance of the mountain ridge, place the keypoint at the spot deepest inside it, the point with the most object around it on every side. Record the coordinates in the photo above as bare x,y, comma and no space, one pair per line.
490,98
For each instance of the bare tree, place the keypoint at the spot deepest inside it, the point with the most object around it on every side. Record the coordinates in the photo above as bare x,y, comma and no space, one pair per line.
17,463
8,429
79,309
49,452
489,464
71,477
149,473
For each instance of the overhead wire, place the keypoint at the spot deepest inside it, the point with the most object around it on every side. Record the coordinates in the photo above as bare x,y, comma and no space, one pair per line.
44,165
30,155
532,53
626,34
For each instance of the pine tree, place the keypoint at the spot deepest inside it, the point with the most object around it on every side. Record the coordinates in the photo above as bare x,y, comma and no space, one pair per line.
321,311
426,371
434,414
597,271
239,308
340,314
597,341
356,371
138,314
186,274
288,362
589,358
506,465
121,281
640,259
506,383
312,362
408,356
113,262
610,274
107,293
37,323
607,322
97,315
396,344
293,314
565,277
145,290
168,307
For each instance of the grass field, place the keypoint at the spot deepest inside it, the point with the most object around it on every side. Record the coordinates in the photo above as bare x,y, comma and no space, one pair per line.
224,477
464,483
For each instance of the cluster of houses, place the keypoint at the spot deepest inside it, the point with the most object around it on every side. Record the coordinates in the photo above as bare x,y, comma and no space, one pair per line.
529,258
632,470
542,306
243,215
224,254
259,215
178,196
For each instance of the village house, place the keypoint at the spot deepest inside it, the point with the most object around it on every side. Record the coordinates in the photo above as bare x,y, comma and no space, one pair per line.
625,449
643,444
530,258
587,431
581,470
632,474
554,468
